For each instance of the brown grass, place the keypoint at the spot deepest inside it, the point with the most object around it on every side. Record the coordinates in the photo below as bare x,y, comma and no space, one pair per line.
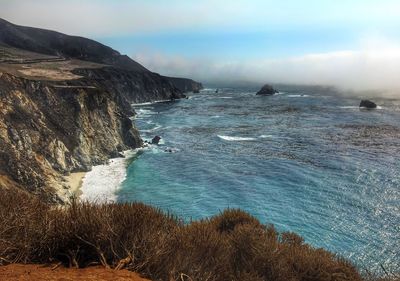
230,246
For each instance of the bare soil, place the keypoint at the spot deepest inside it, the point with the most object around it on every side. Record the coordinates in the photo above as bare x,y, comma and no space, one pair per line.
20,272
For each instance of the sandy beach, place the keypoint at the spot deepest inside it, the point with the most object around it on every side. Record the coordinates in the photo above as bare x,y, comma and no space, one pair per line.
75,181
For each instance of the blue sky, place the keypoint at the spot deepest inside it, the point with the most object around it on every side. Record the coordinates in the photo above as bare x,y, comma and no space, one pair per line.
236,45
279,41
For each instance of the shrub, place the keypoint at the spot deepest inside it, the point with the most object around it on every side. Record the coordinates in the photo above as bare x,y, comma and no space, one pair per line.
230,246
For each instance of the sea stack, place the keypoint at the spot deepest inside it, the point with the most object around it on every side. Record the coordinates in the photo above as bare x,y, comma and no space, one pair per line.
367,104
156,140
267,90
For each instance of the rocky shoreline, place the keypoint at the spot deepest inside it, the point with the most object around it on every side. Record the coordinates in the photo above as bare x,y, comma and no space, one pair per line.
66,106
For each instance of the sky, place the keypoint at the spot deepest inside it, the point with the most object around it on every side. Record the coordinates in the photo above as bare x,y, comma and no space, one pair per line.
351,44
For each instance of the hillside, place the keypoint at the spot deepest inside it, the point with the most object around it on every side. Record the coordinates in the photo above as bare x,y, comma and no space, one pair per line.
66,106
64,46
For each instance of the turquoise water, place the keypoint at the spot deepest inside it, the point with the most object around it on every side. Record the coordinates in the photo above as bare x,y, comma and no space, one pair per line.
310,163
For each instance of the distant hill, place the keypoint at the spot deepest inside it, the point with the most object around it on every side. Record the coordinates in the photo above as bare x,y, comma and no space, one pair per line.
73,47
66,106
58,44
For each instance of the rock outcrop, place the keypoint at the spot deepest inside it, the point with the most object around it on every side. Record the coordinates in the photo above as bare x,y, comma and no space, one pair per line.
267,90
367,104
156,140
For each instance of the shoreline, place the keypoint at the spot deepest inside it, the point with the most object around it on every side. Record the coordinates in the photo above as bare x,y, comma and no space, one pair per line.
75,182
100,184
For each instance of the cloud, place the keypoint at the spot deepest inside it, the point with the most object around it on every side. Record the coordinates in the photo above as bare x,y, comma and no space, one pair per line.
107,18
374,64
367,69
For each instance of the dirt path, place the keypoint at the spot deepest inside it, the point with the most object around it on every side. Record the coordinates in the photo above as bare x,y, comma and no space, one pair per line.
19,272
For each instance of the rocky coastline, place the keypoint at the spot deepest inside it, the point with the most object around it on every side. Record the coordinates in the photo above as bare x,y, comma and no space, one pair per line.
65,105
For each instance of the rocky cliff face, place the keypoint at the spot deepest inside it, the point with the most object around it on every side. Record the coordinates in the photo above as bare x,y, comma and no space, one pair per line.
185,85
135,87
49,129
65,103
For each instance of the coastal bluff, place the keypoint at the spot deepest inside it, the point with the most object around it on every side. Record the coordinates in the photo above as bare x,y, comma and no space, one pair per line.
65,105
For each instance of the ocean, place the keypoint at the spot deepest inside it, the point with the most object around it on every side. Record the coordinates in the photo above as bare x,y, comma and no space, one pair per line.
308,162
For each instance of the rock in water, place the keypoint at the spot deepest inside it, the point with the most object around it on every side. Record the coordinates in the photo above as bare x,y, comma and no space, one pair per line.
367,104
156,140
267,90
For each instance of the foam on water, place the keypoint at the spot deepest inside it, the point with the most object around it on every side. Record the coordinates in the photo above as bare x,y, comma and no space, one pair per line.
103,181
157,127
349,107
266,136
358,107
149,103
230,138
298,96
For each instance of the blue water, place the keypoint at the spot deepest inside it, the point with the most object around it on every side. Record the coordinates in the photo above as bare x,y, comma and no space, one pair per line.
311,163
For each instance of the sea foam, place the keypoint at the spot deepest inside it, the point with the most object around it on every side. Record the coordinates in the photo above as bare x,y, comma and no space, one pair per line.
229,138
101,183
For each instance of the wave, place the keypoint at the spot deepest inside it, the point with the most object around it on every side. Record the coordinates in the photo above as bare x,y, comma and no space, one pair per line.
152,129
298,96
149,103
229,138
357,107
142,111
349,107
103,181
266,136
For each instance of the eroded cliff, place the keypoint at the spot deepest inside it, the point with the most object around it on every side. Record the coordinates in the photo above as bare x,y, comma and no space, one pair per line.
65,103
51,128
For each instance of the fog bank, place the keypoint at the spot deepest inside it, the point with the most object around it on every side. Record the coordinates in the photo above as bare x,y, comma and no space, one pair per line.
348,70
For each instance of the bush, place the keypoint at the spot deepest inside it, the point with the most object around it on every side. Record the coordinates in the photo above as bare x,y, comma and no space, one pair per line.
231,246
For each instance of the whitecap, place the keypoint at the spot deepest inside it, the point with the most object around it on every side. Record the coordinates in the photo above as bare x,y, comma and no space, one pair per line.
149,103
229,138
152,129
266,136
362,107
298,96
142,111
349,107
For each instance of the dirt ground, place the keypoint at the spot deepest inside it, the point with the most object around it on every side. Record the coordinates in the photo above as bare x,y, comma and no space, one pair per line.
19,272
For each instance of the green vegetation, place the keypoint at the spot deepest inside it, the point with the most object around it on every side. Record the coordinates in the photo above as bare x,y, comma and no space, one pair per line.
230,246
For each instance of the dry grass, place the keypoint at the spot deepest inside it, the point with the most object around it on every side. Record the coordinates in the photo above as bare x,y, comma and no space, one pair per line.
230,246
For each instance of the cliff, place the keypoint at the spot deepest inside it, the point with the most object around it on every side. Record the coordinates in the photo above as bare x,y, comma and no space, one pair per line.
49,129
65,104
185,85
59,45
